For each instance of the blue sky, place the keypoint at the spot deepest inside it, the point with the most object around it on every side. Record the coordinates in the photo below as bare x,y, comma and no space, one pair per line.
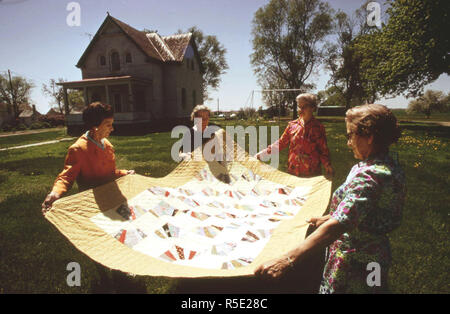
37,42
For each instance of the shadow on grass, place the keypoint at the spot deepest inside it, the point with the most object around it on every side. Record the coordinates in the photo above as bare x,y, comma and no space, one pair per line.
430,129
303,278
34,166
34,256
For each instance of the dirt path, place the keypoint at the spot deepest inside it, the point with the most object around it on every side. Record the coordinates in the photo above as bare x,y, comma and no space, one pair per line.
38,144
6,134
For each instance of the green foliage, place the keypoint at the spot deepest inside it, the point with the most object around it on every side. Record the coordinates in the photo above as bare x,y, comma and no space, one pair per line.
343,59
39,125
410,51
76,99
331,97
21,127
247,113
16,93
287,37
56,92
429,102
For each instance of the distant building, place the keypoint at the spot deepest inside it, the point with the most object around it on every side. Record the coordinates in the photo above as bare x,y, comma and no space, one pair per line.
331,110
52,112
27,114
151,81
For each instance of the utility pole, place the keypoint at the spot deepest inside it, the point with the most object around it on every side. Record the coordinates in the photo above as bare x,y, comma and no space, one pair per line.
218,112
13,96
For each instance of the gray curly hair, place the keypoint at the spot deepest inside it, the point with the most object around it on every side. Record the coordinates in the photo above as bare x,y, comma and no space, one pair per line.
197,109
310,99
377,120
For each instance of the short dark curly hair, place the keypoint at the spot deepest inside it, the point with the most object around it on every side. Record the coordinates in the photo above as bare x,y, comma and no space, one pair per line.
95,113
376,120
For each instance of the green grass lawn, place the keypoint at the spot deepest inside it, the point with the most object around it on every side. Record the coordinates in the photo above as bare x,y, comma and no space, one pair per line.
34,254
402,115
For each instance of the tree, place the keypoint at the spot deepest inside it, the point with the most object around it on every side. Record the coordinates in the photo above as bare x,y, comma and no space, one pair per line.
431,101
411,50
286,41
278,100
56,92
75,97
331,97
344,59
212,57
15,93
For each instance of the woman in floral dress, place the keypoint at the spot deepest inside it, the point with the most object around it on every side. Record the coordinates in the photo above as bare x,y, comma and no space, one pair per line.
363,210
306,139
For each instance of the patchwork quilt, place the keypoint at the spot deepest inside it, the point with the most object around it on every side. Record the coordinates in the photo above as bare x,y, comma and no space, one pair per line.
205,219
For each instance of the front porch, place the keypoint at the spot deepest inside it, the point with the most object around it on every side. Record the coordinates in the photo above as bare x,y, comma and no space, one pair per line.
130,97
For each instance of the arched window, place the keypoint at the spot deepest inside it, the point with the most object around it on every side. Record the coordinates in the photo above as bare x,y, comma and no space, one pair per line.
115,61
183,98
128,58
102,60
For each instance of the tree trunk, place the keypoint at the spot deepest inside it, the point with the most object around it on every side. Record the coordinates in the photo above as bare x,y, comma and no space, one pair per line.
348,99
294,112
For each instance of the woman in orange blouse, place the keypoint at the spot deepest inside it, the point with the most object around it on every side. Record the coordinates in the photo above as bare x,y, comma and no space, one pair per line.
90,161
306,139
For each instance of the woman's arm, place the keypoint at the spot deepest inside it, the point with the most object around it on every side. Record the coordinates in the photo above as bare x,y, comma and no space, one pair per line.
72,167
65,179
326,234
317,221
279,145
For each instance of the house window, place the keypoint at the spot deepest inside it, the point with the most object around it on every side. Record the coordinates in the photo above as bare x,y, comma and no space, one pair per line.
102,61
194,98
115,61
128,58
117,103
183,98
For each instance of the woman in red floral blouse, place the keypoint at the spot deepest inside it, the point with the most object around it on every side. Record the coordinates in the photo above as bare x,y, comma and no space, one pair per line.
306,139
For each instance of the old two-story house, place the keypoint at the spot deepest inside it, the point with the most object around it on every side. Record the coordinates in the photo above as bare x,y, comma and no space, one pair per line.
152,81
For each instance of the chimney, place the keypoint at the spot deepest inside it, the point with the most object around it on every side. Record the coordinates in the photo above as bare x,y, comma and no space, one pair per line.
34,110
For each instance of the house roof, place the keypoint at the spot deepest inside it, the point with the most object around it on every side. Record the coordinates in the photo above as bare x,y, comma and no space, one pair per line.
53,112
178,44
25,106
163,49
27,111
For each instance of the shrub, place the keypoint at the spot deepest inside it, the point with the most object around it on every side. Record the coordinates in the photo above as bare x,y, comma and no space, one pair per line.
7,128
37,125
53,120
21,127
